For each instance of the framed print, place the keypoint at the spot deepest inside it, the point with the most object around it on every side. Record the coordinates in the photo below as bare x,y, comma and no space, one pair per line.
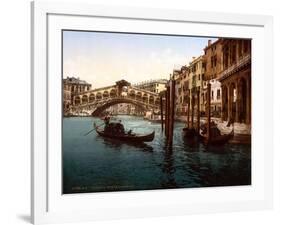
146,112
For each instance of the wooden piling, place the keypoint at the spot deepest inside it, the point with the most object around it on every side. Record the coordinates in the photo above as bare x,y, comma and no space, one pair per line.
188,109
198,111
167,112
161,111
192,111
172,111
208,112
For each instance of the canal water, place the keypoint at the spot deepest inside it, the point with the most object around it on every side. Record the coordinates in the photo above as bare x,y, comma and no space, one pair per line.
94,164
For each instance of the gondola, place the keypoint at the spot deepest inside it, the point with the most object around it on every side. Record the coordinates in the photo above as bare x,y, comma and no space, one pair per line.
216,139
126,137
189,132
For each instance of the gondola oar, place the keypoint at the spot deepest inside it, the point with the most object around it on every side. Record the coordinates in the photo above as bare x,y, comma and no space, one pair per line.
93,129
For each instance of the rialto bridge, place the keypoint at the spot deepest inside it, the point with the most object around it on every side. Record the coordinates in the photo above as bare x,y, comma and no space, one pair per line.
93,102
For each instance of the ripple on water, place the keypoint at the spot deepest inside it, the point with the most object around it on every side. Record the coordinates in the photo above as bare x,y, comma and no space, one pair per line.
92,163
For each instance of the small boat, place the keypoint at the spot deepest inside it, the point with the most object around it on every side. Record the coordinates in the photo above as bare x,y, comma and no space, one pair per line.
216,139
189,132
127,137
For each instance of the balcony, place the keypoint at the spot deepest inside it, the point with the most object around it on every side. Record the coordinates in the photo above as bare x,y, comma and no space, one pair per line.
245,60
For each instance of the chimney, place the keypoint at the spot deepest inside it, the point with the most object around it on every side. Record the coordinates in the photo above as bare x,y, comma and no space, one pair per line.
209,42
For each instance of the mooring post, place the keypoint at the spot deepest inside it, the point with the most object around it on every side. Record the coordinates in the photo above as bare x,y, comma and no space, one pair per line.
172,111
165,119
161,111
167,113
198,111
208,112
192,111
188,109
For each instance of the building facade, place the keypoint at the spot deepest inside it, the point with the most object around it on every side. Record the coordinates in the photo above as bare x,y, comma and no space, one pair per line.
75,86
66,99
122,109
189,80
196,74
235,80
155,86
180,103
213,63
71,87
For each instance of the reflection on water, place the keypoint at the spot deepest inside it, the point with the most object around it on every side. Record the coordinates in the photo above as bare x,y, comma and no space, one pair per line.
93,164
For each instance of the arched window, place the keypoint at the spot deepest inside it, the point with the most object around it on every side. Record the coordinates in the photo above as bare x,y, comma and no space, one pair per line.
92,97
85,99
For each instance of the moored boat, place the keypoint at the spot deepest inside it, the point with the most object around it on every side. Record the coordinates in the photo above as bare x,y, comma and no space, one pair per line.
189,132
217,139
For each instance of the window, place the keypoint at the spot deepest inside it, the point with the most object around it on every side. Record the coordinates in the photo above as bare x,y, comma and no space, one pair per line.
218,94
240,48
212,95
233,53
225,58
215,61
246,46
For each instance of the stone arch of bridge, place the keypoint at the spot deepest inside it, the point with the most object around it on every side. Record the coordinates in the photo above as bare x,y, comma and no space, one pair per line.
116,101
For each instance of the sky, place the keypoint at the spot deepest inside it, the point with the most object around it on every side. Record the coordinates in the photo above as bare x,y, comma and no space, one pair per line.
103,58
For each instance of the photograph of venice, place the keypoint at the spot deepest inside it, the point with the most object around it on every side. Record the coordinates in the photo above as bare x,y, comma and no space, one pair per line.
154,111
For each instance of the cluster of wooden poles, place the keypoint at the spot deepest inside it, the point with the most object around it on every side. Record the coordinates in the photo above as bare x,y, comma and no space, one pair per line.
167,122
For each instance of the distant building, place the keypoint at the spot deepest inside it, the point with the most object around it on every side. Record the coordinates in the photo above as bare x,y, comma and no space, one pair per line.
178,76
122,109
66,99
189,80
75,86
155,86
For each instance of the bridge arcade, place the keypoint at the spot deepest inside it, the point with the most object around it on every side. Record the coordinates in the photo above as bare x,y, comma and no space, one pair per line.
121,92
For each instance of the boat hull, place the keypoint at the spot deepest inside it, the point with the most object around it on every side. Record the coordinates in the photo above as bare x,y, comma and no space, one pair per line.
189,132
128,138
219,140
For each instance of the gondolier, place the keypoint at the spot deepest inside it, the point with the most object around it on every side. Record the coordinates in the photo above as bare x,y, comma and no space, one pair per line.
106,120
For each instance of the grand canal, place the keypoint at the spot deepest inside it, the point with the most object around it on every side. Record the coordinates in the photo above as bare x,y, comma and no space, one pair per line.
93,164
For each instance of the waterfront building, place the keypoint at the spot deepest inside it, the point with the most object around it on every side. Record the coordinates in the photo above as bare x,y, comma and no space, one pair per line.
178,105
196,74
66,99
235,80
189,80
182,91
155,86
75,86
120,109
213,63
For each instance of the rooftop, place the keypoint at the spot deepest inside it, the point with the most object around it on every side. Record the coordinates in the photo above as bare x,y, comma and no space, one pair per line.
74,80
156,81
